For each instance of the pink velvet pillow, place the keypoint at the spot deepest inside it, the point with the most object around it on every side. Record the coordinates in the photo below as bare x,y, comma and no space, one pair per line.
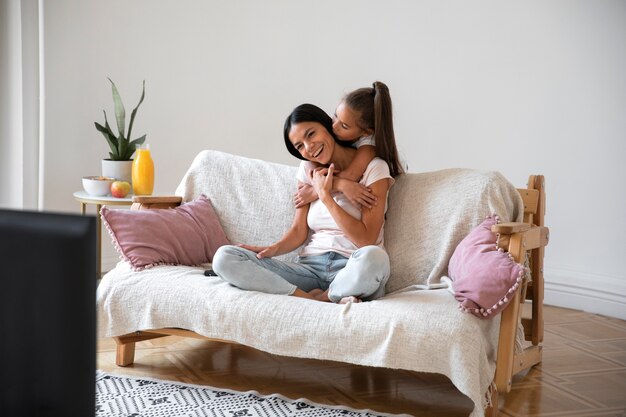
483,277
186,235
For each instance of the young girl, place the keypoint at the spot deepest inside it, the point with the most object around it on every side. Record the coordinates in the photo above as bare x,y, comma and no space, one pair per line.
363,119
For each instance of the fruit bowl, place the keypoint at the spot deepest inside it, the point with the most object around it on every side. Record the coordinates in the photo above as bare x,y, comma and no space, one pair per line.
97,185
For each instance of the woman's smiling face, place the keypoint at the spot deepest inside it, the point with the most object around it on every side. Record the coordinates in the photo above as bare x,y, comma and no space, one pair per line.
313,141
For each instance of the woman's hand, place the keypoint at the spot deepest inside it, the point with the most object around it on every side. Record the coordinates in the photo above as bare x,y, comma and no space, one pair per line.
306,194
261,251
322,180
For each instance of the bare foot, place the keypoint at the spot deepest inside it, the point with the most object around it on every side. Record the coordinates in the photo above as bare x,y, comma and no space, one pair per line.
322,296
316,292
350,299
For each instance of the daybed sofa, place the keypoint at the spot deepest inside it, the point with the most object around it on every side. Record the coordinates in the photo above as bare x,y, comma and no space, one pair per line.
417,326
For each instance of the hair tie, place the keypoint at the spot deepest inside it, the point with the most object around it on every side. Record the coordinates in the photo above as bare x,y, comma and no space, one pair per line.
377,85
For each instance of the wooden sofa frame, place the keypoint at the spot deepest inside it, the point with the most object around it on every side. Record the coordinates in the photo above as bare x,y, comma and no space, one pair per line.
525,241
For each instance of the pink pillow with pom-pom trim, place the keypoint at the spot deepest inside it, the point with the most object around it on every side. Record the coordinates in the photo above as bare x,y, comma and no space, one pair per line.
186,235
483,277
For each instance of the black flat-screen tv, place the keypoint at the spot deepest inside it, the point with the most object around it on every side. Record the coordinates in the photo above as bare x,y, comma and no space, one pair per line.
47,314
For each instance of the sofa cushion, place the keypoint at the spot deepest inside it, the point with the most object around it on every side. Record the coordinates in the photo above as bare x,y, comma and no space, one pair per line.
186,235
483,276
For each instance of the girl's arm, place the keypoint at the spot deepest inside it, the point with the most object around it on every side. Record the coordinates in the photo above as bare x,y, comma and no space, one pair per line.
357,193
291,240
346,181
362,158
362,232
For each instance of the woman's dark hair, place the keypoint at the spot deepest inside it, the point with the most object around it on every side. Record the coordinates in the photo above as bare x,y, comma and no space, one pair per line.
374,107
306,113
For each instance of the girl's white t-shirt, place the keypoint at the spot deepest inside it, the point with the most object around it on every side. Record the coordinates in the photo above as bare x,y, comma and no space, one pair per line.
364,140
326,235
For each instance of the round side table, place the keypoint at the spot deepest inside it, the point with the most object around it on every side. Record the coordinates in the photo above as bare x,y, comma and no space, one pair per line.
83,198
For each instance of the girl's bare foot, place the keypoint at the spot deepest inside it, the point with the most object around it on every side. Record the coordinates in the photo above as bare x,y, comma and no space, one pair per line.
350,299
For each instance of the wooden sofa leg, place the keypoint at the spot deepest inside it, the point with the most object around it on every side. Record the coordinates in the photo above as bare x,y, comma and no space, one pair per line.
125,354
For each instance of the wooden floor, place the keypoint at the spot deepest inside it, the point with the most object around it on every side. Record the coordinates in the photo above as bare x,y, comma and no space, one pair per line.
583,374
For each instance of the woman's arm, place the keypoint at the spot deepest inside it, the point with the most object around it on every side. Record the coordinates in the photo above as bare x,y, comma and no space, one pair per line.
292,239
362,232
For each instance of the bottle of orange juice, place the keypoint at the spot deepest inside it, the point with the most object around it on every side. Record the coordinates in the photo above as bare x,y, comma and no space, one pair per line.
143,171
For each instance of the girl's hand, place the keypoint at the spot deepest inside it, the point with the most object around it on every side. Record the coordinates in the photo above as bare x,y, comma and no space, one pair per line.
322,179
358,194
306,194
261,251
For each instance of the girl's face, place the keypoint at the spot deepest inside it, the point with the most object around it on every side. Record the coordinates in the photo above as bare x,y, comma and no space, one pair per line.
313,141
345,124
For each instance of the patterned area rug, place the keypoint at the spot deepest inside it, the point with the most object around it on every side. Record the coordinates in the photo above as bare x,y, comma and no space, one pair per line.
146,397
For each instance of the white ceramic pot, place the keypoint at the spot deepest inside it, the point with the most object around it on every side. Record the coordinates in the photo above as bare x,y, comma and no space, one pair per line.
120,170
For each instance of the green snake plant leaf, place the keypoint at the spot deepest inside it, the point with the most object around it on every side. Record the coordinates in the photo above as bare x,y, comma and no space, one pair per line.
123,147
138,141
120,112
134,112
111,139
106,124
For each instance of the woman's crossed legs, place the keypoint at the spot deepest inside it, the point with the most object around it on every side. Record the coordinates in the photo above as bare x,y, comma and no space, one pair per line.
329,276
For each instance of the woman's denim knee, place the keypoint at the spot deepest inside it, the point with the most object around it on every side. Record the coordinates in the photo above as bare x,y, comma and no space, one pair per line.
365,275
375,260
225,257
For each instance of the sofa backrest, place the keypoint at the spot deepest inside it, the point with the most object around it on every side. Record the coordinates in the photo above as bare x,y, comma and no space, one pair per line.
253,198
428,214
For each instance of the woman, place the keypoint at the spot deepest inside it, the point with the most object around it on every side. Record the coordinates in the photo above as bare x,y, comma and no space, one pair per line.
343,259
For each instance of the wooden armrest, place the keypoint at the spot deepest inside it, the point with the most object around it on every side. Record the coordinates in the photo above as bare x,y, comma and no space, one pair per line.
518,243
510,228
165,199
143,202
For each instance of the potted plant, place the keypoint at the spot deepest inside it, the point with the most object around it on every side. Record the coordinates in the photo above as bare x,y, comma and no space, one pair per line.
119,163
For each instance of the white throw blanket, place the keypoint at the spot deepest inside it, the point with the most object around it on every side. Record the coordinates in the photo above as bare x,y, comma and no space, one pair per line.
410,329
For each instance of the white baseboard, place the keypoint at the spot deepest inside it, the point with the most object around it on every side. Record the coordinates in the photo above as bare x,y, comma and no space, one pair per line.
593,293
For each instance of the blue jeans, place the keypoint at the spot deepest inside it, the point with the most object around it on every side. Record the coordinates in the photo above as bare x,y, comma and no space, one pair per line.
364,274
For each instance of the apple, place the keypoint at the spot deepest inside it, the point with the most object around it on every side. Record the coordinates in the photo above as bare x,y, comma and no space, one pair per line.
120,189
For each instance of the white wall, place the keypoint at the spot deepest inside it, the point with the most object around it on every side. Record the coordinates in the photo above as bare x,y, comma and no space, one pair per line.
519,87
